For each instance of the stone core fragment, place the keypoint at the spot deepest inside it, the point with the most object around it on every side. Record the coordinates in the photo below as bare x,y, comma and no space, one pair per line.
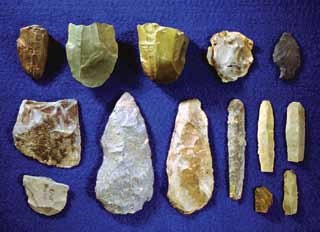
263,199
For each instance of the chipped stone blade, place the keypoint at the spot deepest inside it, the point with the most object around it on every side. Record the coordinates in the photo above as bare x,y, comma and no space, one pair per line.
236,147
189,161
45,196
266,137
125,178
263,199
290,193
32,47
162,52
49,132
92,52
286,56
295,132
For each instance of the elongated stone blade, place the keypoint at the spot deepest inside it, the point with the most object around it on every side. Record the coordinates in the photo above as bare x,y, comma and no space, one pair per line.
295,132
290,193
32,47
189,162
92,52
266,137
162,51
263,199
236,147
286,56
45,196
125,178
49,132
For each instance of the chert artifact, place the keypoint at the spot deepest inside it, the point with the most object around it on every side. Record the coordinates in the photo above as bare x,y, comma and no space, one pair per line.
189,162
45,196
125,178
263,199
286,56
32,47
266,137
236,147
290,193
92,52
295,132
162,51
230,54
49,132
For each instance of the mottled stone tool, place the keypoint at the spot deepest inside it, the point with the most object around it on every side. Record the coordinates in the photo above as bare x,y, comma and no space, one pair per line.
263,199
290,193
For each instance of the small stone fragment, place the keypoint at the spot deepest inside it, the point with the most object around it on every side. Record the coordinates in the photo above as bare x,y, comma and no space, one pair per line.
32,47
230,54
49,132
45,196
236,147
92,52
266,137
162,52
125,178
286,56
295,132
290,193
263,199
189,162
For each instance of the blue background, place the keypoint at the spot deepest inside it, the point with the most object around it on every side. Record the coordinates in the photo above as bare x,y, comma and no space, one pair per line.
262,21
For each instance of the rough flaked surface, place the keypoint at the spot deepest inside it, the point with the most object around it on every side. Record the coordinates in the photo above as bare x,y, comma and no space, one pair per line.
266,137
32,47
45,196
162,51
189,162
263,199
125,178
286,56
290,193
236,147
49,132
230,54
92,52
295,132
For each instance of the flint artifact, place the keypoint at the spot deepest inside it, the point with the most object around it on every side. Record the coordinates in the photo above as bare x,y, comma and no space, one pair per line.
266,137
32,47
290,193
92,52
49,132
263,199
45,196
230,54
162,51
189,162
125,178
295,132
286,56
236,147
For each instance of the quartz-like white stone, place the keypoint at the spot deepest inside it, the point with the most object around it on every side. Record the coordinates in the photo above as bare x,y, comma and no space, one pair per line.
189,162
45,196
125,178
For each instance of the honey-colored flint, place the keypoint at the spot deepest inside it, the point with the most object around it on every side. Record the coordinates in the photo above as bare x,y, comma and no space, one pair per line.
263,199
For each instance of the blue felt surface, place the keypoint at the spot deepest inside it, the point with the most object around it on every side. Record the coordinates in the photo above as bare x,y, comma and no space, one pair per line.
262,21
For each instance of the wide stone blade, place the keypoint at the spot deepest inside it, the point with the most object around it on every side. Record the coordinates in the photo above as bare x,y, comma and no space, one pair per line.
189,162
266,137
290,193
236,147
295,132
92,52
45,196
286,56
162,51
49,132
125,178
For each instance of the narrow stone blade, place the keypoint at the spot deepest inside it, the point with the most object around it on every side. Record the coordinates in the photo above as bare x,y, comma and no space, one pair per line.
266,137
236,147
189,162
125,178
290,193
